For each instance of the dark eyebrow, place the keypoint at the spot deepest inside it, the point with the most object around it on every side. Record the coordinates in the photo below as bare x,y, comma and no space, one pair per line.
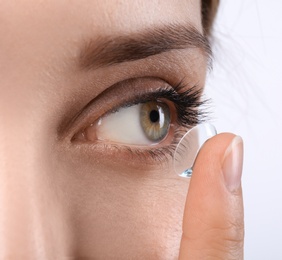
105,51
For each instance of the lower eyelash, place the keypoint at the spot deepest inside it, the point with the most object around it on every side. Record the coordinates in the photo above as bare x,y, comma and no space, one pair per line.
152,155
161,154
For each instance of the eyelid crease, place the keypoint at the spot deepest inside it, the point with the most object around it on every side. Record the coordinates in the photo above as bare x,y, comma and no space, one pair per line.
118,94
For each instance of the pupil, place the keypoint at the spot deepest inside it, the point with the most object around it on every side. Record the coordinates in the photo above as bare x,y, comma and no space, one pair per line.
154,116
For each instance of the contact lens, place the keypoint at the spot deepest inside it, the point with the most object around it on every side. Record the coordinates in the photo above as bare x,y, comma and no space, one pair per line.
188,147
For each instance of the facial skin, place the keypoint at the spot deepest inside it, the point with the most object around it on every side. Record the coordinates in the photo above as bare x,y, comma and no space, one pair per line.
61,198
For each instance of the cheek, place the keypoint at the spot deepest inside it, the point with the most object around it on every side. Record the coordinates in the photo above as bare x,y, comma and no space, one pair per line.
123,215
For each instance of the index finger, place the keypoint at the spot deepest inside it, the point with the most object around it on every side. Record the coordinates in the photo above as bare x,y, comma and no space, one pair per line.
213,226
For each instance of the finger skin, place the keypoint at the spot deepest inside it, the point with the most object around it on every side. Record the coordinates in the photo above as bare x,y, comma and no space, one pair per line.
213,223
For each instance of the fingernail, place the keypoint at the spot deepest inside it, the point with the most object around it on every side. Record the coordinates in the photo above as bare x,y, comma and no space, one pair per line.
233,164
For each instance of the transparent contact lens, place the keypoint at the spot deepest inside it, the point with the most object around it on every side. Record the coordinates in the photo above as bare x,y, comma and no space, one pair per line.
188,147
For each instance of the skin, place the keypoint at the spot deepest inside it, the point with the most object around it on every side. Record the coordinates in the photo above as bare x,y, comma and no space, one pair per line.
64,199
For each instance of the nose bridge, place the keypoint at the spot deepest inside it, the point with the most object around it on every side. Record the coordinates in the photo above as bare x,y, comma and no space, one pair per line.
31,219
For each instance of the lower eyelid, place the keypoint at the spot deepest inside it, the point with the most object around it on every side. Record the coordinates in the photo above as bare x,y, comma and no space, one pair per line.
130,157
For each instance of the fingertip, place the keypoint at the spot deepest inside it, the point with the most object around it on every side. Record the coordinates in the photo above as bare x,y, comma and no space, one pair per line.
211,157
215,147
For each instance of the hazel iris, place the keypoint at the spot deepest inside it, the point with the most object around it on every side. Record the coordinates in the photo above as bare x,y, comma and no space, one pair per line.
155,120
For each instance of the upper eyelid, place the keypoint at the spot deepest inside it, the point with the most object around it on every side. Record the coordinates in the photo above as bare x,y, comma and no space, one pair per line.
105,100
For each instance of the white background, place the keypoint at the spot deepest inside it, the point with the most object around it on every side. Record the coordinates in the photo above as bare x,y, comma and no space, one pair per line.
246,88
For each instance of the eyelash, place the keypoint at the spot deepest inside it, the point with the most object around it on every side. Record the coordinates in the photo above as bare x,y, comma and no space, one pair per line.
190,112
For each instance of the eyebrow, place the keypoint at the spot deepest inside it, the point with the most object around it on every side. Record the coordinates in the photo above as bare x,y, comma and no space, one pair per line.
106,51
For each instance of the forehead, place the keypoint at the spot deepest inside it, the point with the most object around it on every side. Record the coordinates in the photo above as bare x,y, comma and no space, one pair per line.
104,16
53,29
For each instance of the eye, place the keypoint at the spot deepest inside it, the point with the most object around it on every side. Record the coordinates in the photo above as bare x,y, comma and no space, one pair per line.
141,124
147,121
